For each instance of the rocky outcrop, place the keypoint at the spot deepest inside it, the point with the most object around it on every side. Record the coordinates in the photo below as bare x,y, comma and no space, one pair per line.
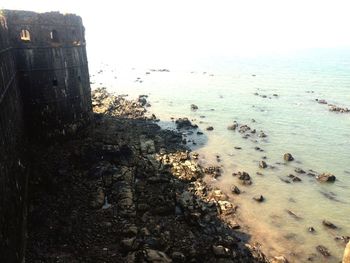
326,177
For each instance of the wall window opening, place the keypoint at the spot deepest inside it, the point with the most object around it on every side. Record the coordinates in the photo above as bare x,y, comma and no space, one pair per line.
25,35
54,82
54,36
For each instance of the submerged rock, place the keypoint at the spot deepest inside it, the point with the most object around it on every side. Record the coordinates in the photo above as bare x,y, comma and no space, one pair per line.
323,250
329,224
326,177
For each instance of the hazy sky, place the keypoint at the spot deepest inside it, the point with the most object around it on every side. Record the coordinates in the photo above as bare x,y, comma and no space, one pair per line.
185,28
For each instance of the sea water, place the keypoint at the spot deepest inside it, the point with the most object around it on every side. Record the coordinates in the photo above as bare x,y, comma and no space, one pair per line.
224,89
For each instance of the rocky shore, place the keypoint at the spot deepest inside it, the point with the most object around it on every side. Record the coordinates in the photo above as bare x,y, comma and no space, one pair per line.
128,191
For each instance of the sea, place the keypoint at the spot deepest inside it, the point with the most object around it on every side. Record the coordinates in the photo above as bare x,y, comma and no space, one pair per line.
275,94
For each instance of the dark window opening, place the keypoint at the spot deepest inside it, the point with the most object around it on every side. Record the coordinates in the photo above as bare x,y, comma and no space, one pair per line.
79,78
55,83
54,36
25,35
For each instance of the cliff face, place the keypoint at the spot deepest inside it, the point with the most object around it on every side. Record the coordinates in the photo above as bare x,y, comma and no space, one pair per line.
44,93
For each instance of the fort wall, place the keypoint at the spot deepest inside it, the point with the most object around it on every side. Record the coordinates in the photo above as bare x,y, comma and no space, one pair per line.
44,93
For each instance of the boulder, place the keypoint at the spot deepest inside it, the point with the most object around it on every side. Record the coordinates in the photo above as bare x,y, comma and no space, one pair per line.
184,123
288,157
326,177
232,127
221,251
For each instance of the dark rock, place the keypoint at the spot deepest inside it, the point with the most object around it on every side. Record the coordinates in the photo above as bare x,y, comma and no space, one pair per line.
259,198
299,170
184,123
323,250
194,107
232,126
294,178
326,177
288,157
321,101
235,189
221,251
238,148
245,178
178,257
210,128
311,229
262,164
329,224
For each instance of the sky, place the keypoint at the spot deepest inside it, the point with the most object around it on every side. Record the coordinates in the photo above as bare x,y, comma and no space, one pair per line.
179,29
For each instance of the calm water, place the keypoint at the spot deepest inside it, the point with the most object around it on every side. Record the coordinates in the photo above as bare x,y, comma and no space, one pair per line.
224,91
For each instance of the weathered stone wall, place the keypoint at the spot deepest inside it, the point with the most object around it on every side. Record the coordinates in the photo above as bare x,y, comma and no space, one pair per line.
12,175
44,92
52,70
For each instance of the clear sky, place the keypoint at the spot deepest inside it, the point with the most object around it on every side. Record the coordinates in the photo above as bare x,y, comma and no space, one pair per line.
181,28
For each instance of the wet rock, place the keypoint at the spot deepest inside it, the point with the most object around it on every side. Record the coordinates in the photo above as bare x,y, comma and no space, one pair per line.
235,189
199,133
221,251
323,250
214,171
129,244
346,257
232,127
338,109
262,164
152,255
321,101
288,157
210,128
295,216
178,257
326,177
329,224
244,177
262,134
237,148
285,180
184,123
259,198
294,178
98,198
344,239
299,170
194,107
311,229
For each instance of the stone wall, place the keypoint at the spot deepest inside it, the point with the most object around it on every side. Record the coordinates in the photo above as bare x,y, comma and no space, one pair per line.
44,93
52,70
12,175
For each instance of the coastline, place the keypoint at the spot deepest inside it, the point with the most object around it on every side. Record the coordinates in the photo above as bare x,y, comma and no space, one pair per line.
130,191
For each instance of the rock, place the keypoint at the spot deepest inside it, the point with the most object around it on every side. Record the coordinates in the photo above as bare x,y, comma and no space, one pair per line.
321,101
311,229
232,127
194,107
259,198
299,170
293,215
237,148
129,244
346,257
294,178
184,123
329,224
288,157
279,259
245,178
99,198
345,239
262,134
178,257
221,251
262,164
210,128
323,250
235,189
326,177
152,255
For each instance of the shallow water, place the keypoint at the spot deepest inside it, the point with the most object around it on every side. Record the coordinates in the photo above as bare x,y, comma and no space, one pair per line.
319,140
